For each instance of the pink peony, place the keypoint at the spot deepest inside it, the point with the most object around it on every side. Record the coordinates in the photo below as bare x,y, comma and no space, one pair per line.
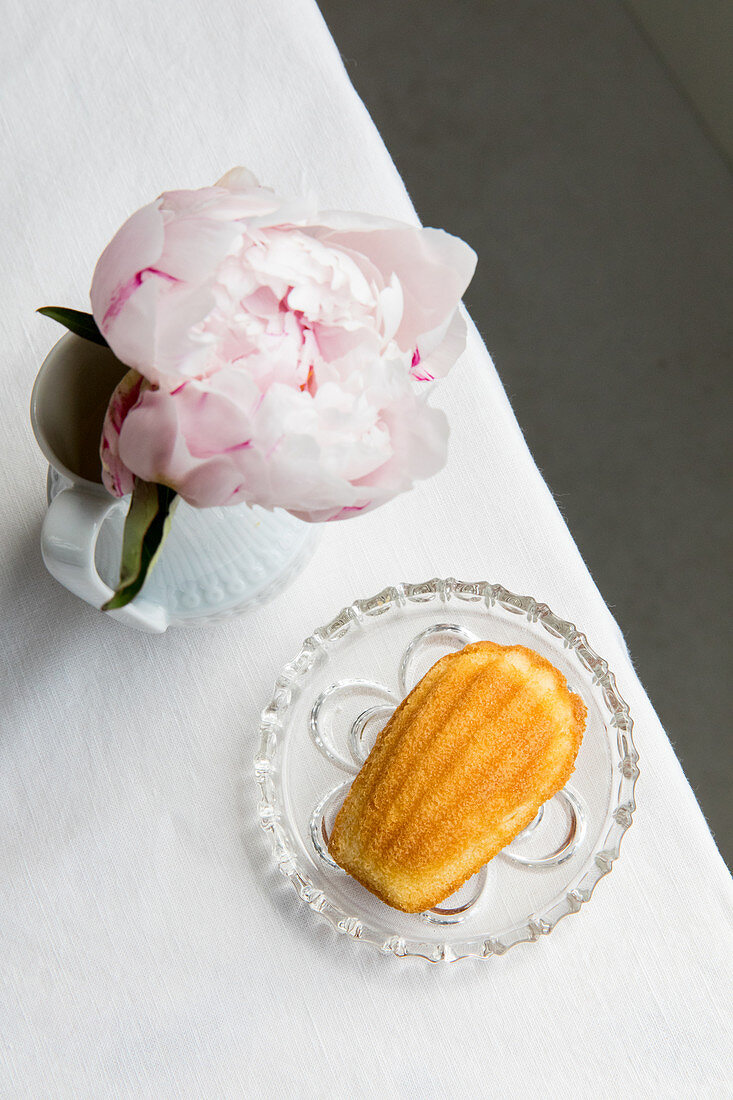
279,354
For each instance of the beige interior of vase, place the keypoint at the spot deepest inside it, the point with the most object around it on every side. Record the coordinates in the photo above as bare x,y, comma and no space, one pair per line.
69,403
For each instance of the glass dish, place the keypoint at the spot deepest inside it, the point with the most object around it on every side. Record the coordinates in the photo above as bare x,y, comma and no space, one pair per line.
327,708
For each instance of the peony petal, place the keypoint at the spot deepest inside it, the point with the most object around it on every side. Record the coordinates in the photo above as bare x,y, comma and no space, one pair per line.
195,247
117,477
211,423
419,439
238,179
433,268
448,345
136,246
151,444
219,204
217,481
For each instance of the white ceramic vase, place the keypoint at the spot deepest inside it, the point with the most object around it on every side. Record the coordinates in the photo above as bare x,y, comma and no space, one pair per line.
216,562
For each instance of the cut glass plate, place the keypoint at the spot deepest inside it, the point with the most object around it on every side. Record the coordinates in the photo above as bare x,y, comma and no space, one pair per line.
330,702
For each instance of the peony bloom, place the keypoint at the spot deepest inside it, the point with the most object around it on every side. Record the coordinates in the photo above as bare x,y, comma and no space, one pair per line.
279,354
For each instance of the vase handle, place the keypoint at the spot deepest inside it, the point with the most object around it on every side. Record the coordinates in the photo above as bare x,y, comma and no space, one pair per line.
68,541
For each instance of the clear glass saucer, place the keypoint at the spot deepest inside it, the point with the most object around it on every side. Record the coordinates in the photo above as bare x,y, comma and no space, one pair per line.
331,701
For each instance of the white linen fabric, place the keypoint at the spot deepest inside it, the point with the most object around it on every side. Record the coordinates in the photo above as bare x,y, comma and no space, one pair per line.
147,945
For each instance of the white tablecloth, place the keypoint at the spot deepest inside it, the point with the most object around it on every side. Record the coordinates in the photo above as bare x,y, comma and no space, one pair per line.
148,948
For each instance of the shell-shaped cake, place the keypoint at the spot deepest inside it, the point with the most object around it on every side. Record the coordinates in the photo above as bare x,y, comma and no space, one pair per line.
463,765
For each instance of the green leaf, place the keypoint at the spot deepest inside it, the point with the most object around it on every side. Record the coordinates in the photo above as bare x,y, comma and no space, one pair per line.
147,524
81,324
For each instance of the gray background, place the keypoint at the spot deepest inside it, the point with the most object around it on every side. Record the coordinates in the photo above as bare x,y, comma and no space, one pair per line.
551,136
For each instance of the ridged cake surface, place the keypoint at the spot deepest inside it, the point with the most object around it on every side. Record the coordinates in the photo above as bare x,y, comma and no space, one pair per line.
464,764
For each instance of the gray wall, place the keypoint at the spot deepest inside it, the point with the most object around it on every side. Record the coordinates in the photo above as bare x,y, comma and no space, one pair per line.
694,39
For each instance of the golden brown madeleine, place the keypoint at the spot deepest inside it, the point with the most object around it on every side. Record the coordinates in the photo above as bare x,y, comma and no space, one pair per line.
462,766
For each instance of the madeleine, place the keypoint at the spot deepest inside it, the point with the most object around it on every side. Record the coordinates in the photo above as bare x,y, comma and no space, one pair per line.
463,766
